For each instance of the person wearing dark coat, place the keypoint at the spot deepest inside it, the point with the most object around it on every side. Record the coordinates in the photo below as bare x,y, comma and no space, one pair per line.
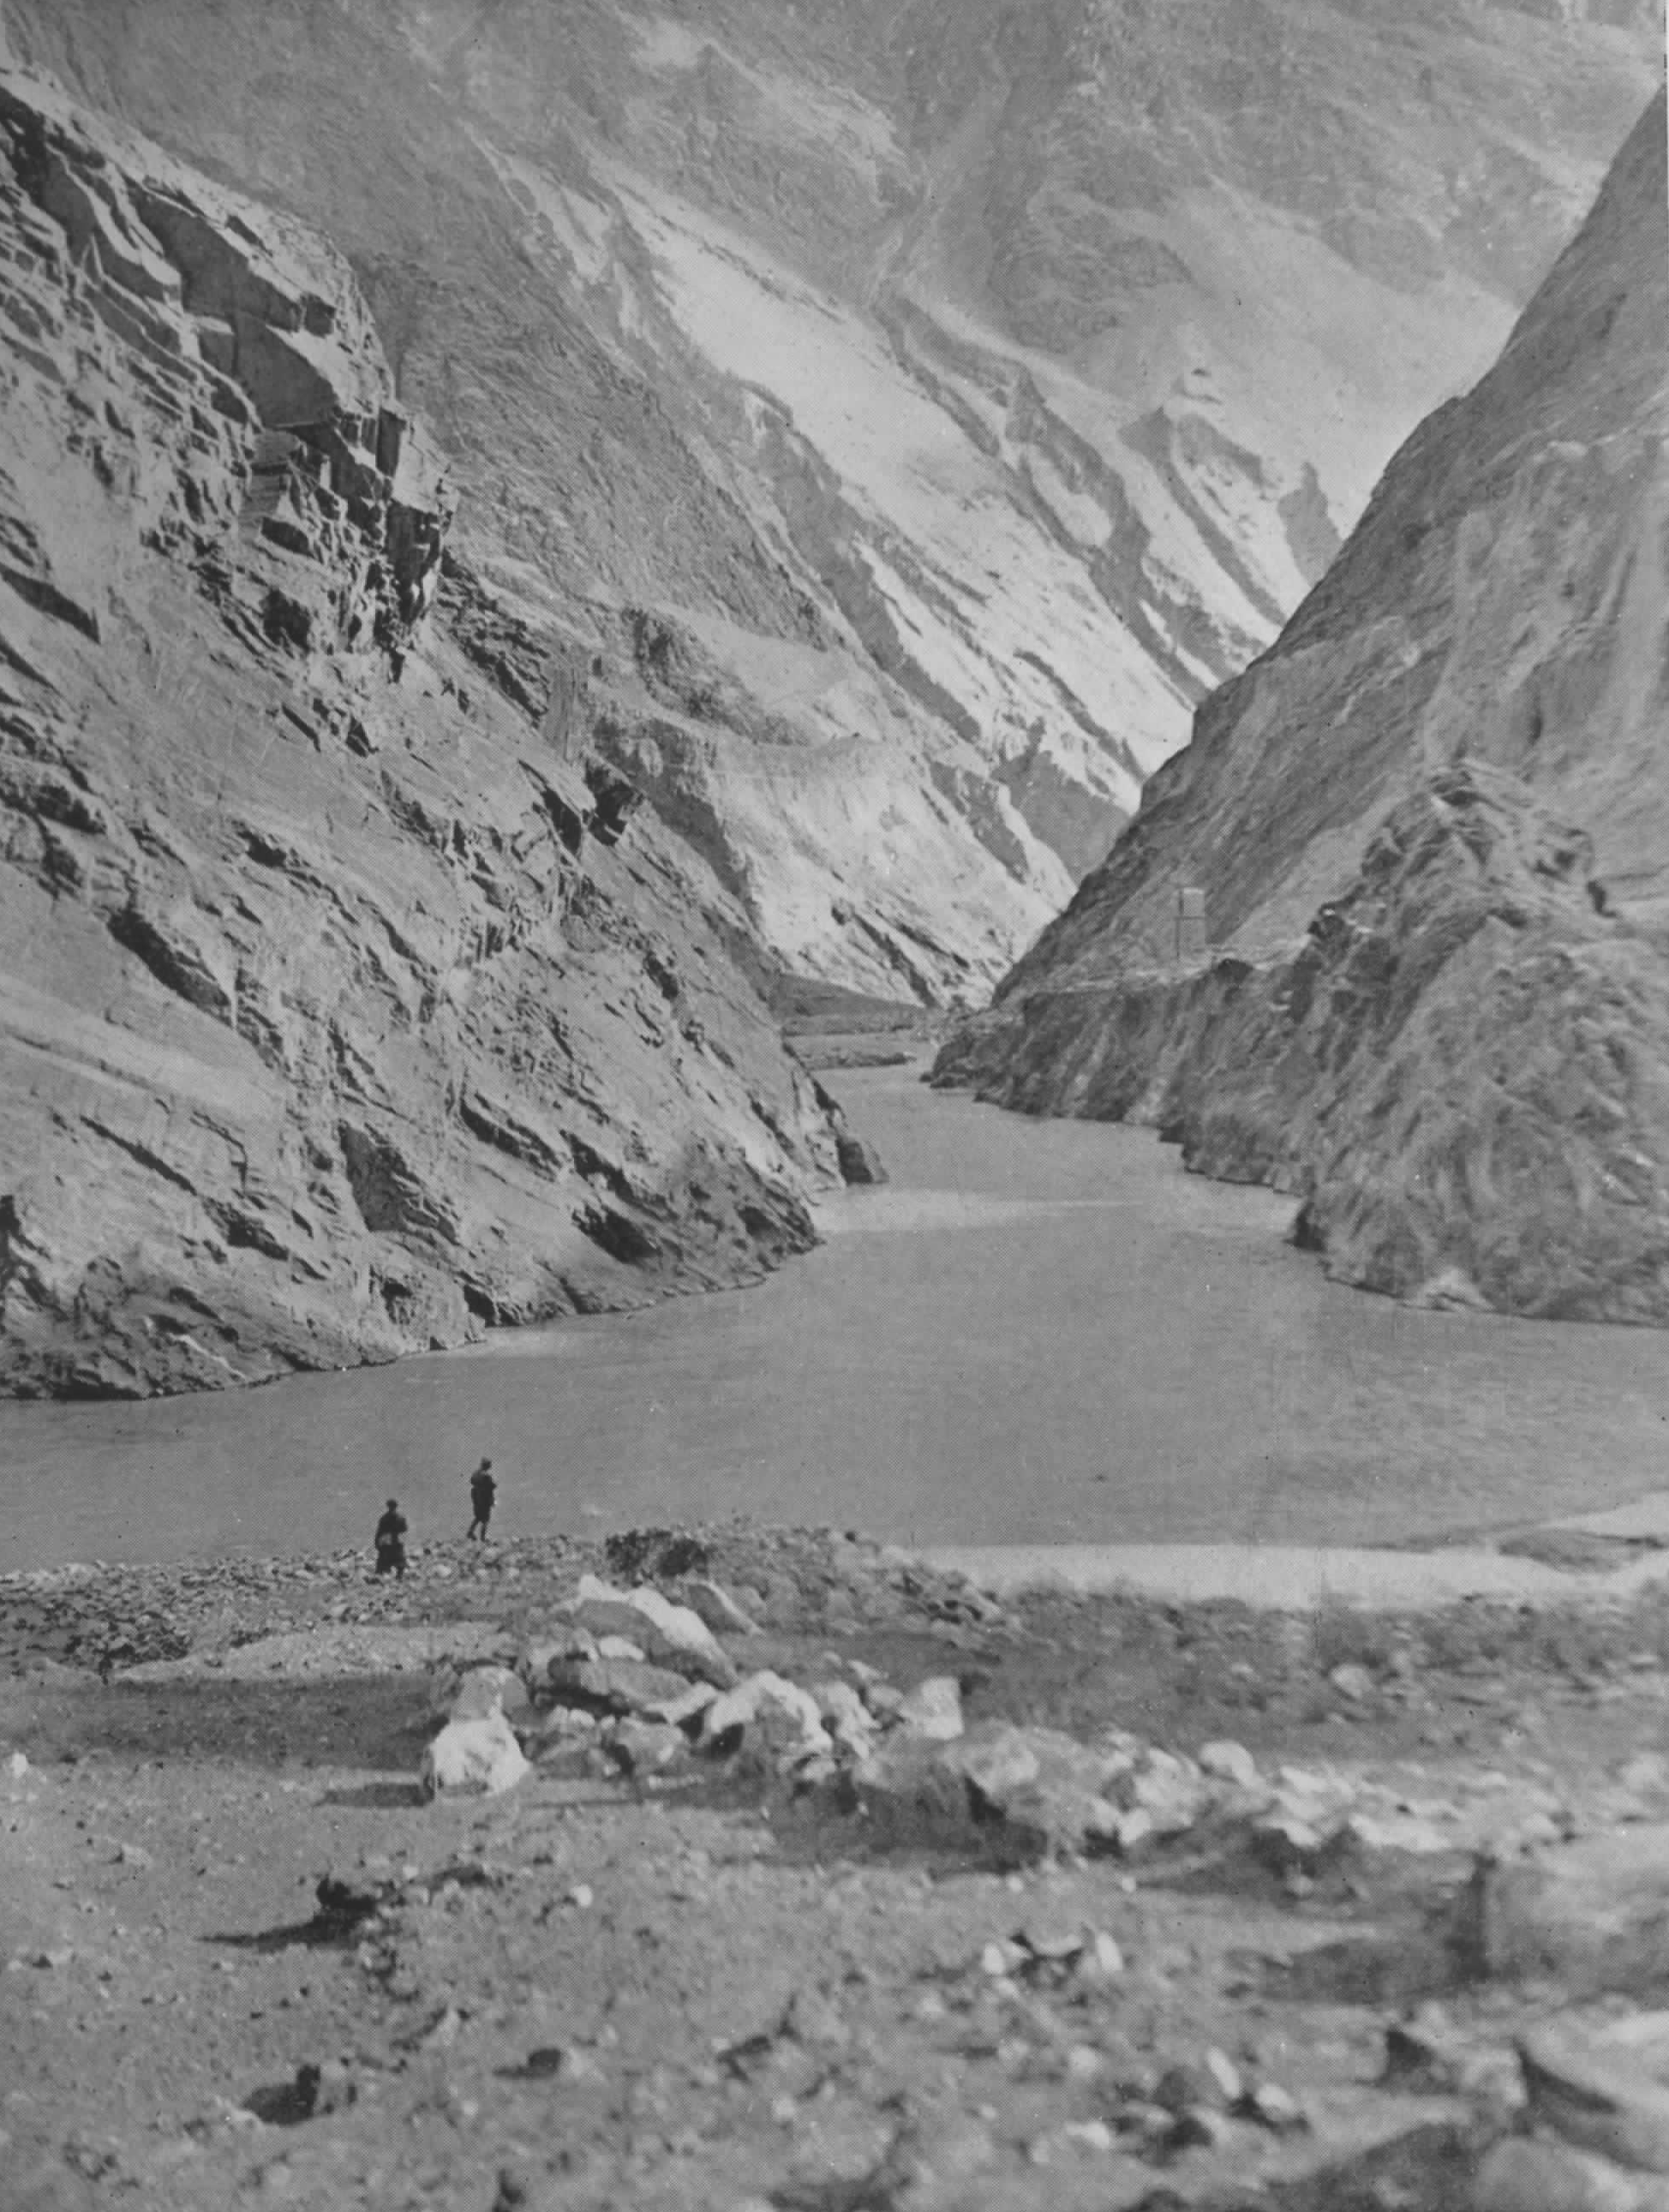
483,1493
390,1540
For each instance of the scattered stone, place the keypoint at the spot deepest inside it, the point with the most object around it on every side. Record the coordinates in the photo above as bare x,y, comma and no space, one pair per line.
1188,2085
712,1603
671,1635
689,1705
1593,1914
769,1715
620,1647
1101,1961
648,1746
1229,1762
479,1755
1274,2108
933,1709
1353,1682
487,1690
1002,1957
1428,2055
1520,2175
1581,2084
846,1717
617,1685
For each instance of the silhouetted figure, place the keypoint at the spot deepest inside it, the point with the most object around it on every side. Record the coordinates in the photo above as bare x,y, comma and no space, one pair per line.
482,1492
391,1541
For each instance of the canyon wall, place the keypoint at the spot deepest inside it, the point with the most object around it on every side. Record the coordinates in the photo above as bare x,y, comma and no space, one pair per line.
1431,828
883,421
347,1008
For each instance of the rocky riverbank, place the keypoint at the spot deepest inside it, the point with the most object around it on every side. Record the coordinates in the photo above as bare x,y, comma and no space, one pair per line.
737,1868
1425,828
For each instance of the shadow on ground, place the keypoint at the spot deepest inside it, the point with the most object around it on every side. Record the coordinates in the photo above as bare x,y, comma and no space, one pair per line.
370,1722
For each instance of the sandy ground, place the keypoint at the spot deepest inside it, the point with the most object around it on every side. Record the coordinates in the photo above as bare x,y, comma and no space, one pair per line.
606,1992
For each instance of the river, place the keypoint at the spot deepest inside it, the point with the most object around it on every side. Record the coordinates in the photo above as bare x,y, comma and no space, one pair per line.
1037,1332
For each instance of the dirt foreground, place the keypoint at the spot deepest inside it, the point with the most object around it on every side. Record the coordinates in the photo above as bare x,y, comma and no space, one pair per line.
244,1958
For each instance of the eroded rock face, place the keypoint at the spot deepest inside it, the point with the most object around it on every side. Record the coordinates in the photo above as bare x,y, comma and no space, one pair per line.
1429,830
887,420
346,1008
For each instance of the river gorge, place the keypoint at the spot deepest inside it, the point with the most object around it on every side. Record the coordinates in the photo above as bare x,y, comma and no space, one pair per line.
1037,1332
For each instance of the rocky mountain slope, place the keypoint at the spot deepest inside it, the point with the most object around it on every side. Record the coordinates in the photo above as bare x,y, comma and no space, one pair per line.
883,421
1430,827
346,1008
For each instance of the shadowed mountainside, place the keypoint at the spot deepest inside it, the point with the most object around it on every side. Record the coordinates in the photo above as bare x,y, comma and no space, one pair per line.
1430,826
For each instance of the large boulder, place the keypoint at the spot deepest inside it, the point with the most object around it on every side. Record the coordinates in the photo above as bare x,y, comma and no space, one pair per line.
670,1635
1594,1914
768,1716
479,1757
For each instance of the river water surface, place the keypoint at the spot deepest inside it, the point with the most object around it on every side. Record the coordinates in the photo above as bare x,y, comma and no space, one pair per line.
1037,1332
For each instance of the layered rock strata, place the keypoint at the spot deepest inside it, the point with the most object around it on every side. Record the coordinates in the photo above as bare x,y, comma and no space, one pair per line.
1428,828
346,1007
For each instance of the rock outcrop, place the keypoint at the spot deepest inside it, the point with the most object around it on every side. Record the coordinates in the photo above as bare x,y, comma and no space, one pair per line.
1430,829
346,1007
883,422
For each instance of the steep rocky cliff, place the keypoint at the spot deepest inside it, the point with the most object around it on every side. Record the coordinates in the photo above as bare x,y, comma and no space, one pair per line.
347,1006
883,420
1431,828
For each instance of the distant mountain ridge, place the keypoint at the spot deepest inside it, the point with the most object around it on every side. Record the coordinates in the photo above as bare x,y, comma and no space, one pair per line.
881,421
1431,830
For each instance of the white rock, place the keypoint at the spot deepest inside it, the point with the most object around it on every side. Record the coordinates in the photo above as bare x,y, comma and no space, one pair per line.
775,1715
670,1635
1229,1762
714,1605
933,1709
1171,1790
619,1647
17,1765
479,1755
846,1717
1353,1681
1001,1957
1226,2075
1100,1960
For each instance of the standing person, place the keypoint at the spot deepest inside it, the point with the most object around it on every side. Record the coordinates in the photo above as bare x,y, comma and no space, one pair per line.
483,1493
390,1540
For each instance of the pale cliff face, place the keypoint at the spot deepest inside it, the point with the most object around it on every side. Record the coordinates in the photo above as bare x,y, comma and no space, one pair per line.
1429,826
892,418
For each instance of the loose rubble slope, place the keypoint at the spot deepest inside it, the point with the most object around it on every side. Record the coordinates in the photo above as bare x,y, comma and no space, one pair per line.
730,1868
346,1008
1429,826
891,418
